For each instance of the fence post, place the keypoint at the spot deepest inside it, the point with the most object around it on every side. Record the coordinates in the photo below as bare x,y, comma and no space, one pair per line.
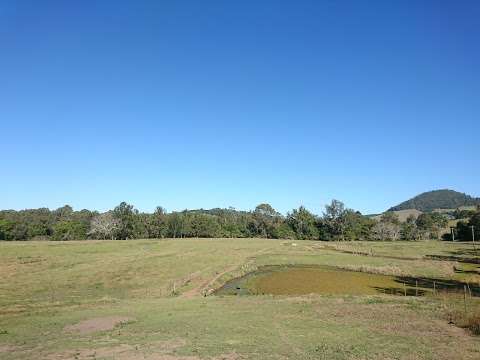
465,298
434,288
416,287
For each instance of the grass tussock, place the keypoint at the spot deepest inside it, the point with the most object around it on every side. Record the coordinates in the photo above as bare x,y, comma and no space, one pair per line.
469,321
463,311
473,324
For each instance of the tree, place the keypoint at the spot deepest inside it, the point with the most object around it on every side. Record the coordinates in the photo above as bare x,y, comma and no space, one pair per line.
6,230
335,218
390,217
264,220
104,226
126,215
409,230
204,225
177,225
157,226
283,231
303,223
384,231
70,230
266,210
64,213
464,228
475,219
430,225
388,228
356,226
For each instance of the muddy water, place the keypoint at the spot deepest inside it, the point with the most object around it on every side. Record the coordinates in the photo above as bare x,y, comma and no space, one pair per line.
300,280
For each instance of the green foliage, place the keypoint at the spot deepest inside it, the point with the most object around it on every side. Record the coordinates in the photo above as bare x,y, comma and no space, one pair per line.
263,221
38,223
157,226
283,231
70,230
203,225
464,229
390,217
303,223
338,223
334,219
357,226
463,214
6,230
178,225
127,217
430,225
409,230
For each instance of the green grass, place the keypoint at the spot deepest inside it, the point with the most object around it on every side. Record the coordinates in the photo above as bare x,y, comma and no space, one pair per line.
46,286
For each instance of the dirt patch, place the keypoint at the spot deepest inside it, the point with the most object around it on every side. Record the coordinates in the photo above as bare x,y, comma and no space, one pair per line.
8,348
97,324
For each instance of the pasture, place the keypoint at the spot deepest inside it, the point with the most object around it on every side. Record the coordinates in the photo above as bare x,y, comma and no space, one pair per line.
153,299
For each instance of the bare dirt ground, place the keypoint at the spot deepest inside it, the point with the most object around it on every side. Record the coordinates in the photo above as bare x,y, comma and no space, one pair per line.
97,324
7,348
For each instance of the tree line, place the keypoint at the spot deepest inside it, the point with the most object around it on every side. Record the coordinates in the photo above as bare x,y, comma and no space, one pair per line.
126,222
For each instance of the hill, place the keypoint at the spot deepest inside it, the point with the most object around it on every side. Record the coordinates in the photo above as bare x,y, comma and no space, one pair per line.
437,199
403,215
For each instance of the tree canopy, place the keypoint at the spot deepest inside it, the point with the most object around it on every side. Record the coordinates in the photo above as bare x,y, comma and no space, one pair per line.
126,222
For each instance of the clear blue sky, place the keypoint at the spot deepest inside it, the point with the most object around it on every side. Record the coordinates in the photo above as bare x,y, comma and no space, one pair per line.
190,104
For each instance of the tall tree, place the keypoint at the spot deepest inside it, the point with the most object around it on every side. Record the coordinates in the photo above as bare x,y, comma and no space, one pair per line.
388,228
264,221
126,215
335,218
303,223
431,225
104,226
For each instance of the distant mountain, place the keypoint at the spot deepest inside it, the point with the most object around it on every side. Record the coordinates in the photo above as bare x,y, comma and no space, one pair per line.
437,199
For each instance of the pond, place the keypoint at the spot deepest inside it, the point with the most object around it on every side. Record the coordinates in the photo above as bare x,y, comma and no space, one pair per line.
301,280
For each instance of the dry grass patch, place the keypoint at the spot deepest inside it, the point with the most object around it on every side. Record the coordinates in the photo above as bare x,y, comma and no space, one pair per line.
446,268
163,350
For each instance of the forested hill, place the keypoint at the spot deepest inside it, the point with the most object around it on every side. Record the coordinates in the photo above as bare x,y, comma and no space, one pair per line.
437,199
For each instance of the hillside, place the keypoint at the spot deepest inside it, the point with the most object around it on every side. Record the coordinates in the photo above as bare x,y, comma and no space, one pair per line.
437,199
403,215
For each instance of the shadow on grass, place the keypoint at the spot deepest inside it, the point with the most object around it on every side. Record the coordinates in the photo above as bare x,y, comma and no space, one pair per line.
471,255
400,291
464,271
421,286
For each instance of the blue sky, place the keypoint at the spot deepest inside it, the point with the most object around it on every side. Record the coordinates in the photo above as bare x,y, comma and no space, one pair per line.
190,104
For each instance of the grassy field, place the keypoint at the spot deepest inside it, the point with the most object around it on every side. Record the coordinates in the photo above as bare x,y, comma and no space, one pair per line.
144,299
